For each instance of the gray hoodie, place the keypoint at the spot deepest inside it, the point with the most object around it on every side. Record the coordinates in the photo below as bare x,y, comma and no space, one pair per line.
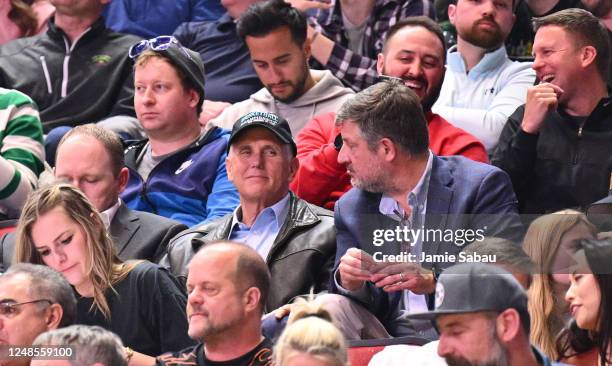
327,95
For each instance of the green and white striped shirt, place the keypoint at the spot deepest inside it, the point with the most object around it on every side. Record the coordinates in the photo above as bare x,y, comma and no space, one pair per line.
21,150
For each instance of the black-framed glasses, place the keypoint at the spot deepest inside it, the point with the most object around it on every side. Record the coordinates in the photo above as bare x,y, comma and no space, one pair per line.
8,309
160,43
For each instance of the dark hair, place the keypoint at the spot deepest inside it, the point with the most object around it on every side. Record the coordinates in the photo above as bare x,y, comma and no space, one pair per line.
419,21
46,283
598,254
388,109
110,140
262,18
587,31
573,340
252,271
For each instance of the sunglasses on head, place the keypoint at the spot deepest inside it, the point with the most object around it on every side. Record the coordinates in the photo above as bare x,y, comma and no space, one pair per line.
160,43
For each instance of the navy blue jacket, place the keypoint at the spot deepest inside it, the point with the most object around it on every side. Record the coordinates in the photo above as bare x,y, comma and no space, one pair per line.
190,186
462,194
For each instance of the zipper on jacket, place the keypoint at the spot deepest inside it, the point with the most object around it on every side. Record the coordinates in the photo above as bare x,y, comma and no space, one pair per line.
46,73
65,71
579,142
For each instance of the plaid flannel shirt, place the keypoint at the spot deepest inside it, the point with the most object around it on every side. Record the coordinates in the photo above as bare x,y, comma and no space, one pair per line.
359,70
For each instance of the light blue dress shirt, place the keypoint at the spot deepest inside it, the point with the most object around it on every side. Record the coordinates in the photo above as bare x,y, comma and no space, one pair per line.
261,235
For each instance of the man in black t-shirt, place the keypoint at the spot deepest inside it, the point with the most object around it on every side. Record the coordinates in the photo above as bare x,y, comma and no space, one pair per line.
227,286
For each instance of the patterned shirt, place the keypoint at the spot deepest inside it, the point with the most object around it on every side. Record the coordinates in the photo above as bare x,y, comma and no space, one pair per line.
359,70
21,150
194,356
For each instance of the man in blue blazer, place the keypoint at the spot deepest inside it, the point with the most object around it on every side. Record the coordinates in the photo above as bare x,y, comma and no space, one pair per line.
411,213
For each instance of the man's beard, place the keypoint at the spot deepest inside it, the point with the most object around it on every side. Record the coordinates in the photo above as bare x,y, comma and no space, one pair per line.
298,87
214,330
487,39
429,99
499,356
377,183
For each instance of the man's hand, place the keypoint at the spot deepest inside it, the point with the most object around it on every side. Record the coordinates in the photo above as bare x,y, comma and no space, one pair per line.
355,268
541,99
210,110
403,276
305,5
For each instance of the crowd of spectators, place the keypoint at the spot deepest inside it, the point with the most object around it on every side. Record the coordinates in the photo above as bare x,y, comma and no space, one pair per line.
177,177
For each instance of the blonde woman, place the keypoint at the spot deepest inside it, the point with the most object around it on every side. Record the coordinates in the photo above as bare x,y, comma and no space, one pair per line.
550,242
137,300
310,339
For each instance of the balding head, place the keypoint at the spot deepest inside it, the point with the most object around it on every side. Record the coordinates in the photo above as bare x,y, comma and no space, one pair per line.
227,285
91,158
245,266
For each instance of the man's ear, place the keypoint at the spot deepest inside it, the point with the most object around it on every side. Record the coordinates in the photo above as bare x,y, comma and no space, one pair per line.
380,63
252,297
123,178
54,316
307,48
452,12
228,168
388,148
588,54
294,165
508,325
193,98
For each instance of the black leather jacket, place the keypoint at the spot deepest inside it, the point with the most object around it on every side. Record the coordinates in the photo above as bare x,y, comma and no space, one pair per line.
301,257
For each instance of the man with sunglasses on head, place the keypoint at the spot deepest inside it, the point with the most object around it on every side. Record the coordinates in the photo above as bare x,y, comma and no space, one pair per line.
33,300
179,171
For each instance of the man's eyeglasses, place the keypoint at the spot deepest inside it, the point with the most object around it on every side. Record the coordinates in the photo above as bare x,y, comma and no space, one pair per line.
9,309
160,43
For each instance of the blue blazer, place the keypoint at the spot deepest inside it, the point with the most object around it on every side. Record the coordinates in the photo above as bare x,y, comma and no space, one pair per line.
462,195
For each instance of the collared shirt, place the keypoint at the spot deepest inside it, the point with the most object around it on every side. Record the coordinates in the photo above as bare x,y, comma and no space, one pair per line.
261,235
417,200
358,70
480,100
109,215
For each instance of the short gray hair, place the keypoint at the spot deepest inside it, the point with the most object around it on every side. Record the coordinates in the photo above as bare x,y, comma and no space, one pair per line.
92,344
46,283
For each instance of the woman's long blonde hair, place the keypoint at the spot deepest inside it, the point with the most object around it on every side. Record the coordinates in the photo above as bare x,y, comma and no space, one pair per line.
104,267
541,243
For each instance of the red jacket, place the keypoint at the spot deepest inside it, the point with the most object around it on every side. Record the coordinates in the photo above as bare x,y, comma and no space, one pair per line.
320,180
